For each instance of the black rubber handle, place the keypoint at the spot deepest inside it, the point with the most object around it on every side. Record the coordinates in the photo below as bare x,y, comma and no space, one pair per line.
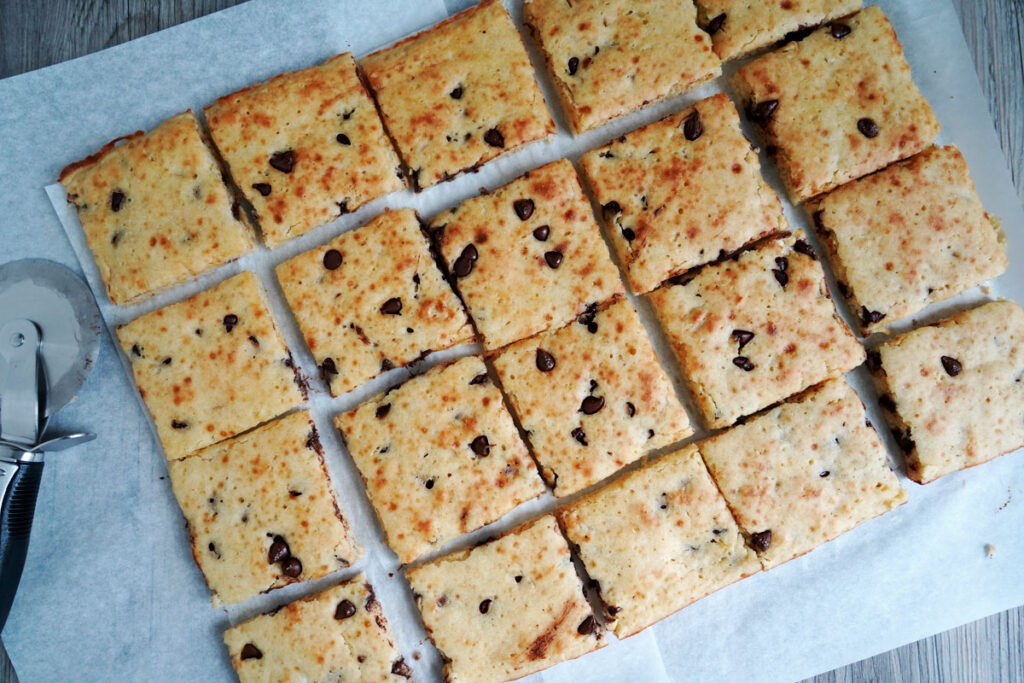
18,508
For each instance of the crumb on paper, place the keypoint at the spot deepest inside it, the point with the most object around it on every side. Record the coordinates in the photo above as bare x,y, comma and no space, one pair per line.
990,550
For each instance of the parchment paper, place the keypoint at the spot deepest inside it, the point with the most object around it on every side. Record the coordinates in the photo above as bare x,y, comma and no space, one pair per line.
110,590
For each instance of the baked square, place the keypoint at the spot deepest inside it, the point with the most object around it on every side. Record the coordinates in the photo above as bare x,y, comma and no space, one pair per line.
458,94
908,236
954,391
155,210
210,367
838,105
261,510
680,192
305,147
803,473
372,299
657,540
440,457
591,397
528,256
752,330
612,57
507,608
739,27
339,634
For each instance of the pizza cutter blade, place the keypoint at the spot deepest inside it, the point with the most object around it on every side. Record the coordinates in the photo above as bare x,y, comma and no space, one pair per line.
49,340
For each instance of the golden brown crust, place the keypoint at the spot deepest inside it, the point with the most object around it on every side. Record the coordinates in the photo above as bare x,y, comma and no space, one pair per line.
458,94
240,495
372,298
673,203
507,608
155,210
305,147
440,457
908,236
751,331
210,367
533,270
803,473
611,57
835,107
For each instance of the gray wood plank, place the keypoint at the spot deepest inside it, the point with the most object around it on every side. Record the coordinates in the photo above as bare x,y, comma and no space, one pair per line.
36,34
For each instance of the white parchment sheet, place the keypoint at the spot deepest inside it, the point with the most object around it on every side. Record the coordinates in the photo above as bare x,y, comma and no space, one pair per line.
110,590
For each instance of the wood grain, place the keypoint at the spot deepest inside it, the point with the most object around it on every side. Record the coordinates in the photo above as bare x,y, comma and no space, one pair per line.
36,34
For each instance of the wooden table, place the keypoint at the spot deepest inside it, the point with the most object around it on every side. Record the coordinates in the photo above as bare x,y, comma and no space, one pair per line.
35,34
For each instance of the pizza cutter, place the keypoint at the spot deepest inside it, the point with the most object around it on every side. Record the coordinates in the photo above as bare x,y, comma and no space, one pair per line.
49,340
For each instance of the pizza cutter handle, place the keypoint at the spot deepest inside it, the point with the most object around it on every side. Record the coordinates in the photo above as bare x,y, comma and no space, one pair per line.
16,512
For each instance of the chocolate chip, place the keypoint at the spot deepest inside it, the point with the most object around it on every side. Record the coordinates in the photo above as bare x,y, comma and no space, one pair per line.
542,232
484,606
591,405
868,317
804,248
762,112
741,337
780,276
762,540
494,138
839,30
386,365
952,366
456,94
588,318
610,209
824,474
743,363
279,551
904,441
344,610
545,361
343,139
588,627
116,200
628,234
429,483
553,259
867,127
630,409
291,568
168,360
523,208
400,668
250,651
230,320
464,264
328,368
692,128
382,411
136,350
574,64
481,446
479,379
283,161
782,263
580,435
332,259
392,306
715,25
518,578
178,424
262,188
